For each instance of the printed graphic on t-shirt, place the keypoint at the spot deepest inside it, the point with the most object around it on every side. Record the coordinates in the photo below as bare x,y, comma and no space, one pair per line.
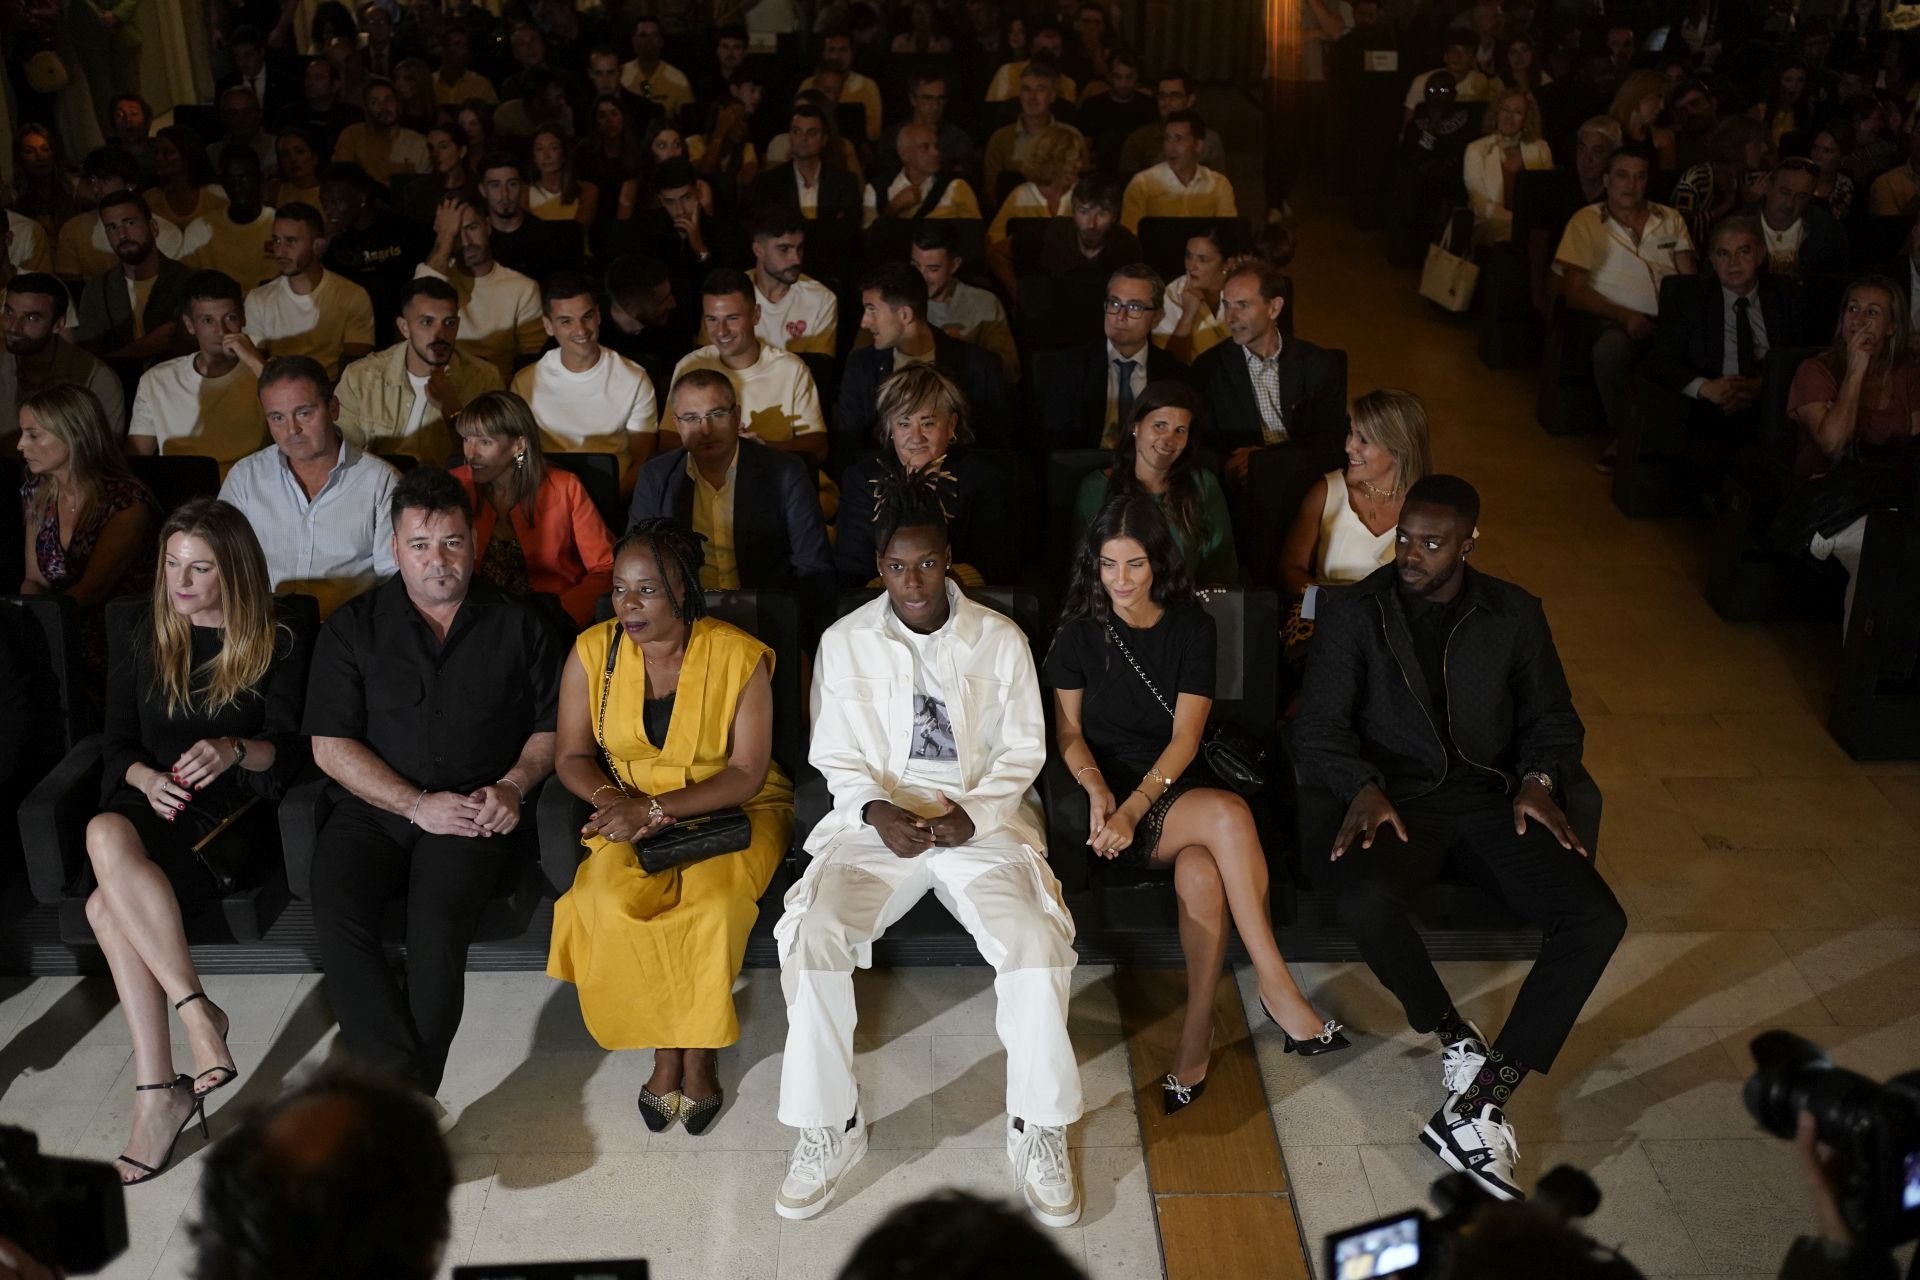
932,731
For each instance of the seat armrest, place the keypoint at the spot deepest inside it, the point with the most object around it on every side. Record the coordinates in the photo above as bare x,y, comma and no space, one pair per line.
302,811
53,820
1066,807
559,815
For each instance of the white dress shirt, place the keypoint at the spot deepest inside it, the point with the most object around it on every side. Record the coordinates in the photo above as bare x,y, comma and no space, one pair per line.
332,547
1730,331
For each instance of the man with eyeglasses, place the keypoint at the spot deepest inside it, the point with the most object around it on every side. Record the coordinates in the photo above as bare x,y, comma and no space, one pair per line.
1145,146
586,398
756,506
1802,238
1091,395
928,94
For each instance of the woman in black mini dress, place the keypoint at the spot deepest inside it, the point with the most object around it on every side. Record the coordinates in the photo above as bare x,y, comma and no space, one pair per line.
1132,670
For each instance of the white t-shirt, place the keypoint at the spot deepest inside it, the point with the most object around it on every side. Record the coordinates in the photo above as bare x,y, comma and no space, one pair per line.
933,758
591,412
419,412
778,400
217,243
185,413
807,319
284,323
499,315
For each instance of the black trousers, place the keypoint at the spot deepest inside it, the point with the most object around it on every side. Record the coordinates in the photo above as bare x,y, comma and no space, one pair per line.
1555,889
363,859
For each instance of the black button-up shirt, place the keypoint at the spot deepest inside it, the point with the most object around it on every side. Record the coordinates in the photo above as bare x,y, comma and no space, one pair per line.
447,716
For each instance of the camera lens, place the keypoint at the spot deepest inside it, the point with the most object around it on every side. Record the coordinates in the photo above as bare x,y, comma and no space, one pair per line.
1795,1075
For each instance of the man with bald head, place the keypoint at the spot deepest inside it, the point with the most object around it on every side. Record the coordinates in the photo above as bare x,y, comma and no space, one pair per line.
923,188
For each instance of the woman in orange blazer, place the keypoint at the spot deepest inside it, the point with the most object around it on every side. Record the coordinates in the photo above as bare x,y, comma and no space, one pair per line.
534,528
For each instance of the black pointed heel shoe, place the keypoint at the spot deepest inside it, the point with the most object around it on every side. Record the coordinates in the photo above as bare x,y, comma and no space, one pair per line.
222,1074
1328,1041
149,1172
1176,1096
697,1116
658,1113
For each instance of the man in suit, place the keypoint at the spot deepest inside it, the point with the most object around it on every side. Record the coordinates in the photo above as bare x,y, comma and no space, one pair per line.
1713,336
1266,392
1090,393
1801,238
825,194
274,89
893,306
758,507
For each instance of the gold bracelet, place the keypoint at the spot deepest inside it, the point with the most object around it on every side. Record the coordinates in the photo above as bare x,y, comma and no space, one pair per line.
594,799
1085,768
1165,782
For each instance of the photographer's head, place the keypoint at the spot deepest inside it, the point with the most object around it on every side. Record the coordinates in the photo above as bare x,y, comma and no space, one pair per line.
1522,1241
345,1176
951,1235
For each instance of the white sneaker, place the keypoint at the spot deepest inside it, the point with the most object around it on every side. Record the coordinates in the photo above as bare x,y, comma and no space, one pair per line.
1039,1158
1460,1063
819,1158
1481,1145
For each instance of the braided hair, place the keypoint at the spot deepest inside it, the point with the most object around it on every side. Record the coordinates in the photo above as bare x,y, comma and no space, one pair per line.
686,549
904,499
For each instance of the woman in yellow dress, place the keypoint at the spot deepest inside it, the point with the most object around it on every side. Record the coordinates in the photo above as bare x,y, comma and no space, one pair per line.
666,714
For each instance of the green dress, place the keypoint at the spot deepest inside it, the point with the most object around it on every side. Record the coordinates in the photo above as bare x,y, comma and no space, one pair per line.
1208,549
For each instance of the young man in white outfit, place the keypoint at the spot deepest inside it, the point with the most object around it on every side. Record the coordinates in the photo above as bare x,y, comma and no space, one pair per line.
927,729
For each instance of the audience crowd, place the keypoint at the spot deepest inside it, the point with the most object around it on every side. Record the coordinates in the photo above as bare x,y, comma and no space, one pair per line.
472,351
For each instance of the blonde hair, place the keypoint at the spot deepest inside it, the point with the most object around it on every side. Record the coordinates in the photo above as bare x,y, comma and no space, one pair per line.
74,417
1529,125
504,414
1397,422
1057,152
1634,90
921,386
246,605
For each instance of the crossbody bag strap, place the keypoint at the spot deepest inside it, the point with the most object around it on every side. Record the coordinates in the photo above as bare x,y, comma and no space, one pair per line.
600,720
1138,670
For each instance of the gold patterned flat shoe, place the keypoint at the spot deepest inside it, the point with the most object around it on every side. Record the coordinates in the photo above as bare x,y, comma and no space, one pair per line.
698,1115
658,1113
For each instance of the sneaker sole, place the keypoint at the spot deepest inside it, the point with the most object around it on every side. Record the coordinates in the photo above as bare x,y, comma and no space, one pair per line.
1438,1145
1047,1218
801,1212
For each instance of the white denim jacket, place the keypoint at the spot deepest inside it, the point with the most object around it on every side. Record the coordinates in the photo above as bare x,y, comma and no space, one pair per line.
863,716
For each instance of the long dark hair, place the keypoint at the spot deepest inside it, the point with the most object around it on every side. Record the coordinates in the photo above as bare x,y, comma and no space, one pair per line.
686,550
1183,508
1135,516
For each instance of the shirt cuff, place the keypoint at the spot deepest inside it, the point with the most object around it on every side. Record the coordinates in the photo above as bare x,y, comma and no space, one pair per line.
1692,389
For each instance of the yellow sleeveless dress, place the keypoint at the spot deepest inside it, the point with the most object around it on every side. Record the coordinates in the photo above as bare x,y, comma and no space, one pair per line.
655,957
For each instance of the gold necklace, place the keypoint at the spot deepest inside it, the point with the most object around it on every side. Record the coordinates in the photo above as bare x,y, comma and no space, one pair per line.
1378,495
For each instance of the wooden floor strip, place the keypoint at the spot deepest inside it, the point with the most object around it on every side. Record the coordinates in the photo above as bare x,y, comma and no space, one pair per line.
1218,1180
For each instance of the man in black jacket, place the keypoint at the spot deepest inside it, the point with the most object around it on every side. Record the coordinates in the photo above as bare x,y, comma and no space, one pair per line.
893,307
1089,394
820,190
1435,706
758,507
1268,392
1712,339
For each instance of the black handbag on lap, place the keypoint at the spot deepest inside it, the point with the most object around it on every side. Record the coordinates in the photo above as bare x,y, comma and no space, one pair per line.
685,840
1236,758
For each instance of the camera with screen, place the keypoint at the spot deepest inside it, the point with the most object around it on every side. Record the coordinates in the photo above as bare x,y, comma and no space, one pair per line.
70,1215
1414,1243
1874,1128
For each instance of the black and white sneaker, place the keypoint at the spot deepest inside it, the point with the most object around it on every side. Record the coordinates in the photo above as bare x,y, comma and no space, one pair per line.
1461,1061
1480,1145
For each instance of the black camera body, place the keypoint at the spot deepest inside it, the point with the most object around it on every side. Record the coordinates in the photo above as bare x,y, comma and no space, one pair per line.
66,1214
1874,1128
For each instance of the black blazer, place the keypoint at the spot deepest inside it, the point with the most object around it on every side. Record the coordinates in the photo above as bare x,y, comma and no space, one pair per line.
779,535
975,368
839,205
1823,250
1367,714
1075,408
1313,395
1689,340
976,527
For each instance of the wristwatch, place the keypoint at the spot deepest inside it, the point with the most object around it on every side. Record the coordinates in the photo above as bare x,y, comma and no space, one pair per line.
1541,776
239,750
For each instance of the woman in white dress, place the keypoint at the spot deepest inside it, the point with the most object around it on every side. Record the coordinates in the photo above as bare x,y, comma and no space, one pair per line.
1344,530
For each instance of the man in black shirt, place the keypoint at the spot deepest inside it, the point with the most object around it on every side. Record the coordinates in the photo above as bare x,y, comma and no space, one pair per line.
431,706
532,246
368,243
1435,705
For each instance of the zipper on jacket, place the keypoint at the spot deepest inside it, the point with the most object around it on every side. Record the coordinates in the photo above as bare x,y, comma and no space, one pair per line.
1445,649
1438,740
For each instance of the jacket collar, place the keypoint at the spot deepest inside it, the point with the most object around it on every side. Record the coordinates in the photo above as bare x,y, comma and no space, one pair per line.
1385,580
967,620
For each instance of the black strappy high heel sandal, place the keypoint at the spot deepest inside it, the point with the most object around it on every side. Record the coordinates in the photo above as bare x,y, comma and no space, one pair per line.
1328,1041
232,1073
150,1172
